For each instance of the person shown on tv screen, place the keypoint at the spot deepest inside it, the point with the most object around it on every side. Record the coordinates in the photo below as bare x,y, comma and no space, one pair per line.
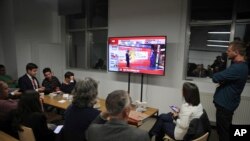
153,58
128,58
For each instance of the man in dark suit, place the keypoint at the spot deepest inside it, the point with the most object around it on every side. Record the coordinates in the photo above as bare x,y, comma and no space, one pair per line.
128,58
29,81
118,106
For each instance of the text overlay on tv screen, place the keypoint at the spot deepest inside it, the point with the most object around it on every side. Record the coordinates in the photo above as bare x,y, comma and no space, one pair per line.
138,54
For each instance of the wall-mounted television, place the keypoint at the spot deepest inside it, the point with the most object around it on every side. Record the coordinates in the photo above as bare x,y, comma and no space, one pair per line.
137,54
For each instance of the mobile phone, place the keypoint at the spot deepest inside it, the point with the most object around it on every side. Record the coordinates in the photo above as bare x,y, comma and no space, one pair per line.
58,129
174,108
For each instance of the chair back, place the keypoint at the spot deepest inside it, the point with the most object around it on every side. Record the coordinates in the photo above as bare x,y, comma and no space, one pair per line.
198,127
27,134
203,137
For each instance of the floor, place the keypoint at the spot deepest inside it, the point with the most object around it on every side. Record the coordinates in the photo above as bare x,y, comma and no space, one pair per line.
150,122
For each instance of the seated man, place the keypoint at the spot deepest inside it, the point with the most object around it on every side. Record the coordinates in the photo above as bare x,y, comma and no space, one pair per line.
68,83
6,105
116,128
51,83
6,78
29,81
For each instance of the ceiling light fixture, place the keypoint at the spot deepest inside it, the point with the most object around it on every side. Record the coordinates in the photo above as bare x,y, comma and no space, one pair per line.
218,41
219,32
209,45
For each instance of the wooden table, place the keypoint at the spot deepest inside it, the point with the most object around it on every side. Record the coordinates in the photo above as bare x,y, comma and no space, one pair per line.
54,101
6,137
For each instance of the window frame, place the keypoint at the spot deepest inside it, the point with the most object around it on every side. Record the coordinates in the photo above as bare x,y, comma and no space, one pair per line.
87,48
191,23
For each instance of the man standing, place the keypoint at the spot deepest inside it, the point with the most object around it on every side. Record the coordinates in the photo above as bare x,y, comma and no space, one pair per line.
116,128
128,58
29,81
231,83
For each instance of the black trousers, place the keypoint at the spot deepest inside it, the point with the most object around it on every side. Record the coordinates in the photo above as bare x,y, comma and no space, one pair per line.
163,125
223,121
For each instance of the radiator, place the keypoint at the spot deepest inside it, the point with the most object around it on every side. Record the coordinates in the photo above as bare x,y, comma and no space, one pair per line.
241,115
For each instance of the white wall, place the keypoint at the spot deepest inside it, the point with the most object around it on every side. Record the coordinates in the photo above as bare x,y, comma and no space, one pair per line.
1,51
8,47
37,24
1,32
1,46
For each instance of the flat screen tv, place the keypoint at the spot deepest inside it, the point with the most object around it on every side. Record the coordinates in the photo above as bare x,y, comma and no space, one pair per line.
137,54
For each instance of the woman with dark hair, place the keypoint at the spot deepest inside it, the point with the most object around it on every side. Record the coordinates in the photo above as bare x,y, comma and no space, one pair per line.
29,113
80,113
175,124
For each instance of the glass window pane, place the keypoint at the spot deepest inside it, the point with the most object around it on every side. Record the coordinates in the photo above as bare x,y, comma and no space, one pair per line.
98,48
205,64
87,42
243,10
207,50
242,31
77,50
76,21
98,13
211,9
210,38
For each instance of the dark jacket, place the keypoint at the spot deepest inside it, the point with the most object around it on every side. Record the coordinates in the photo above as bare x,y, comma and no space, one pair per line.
114,130
25,83
77,120
198,127
51,85
231,84
36,121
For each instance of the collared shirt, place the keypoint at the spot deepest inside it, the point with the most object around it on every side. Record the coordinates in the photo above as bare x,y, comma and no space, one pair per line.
34,82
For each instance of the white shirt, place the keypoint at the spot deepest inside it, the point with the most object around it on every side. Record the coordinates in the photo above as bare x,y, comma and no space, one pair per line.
35,84
187,113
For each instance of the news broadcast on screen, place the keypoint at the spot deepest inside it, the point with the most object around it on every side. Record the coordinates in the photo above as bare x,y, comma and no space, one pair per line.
138,54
